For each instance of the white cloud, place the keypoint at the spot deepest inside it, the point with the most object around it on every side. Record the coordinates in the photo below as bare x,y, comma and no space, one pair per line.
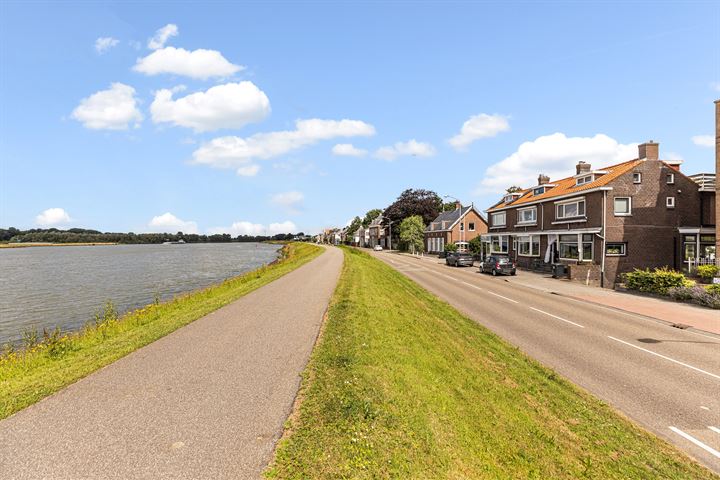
232,105
348,150
479,126
715,86
112,109
411,147
291,201
53,217
162,36
249,228
248,170
672,156
554,155
169,223
103,44
703,140
235,152
199,64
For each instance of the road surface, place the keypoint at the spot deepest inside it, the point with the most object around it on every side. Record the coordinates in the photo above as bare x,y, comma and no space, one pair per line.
207,401
666,379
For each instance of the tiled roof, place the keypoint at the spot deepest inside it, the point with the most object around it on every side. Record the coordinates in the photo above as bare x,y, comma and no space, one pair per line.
567,186
445,219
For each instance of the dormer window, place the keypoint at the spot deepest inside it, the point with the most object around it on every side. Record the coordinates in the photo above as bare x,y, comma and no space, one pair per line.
511,197
583,180
539,190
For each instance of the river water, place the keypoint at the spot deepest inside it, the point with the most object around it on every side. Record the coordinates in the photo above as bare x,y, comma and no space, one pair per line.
45,287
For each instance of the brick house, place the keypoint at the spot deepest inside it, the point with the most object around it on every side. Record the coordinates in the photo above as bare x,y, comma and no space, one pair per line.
378,232
601,223
459,225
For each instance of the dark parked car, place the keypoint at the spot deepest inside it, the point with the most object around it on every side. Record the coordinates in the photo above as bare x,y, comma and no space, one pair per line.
498,265
459,259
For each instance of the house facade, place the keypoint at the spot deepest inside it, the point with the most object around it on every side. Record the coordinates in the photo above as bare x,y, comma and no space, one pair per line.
642,213
459,225
377,233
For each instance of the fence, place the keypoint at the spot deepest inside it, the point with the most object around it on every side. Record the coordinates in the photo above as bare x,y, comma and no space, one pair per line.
693,263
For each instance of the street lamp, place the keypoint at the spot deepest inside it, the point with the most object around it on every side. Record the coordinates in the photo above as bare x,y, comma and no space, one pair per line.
462,226
390,222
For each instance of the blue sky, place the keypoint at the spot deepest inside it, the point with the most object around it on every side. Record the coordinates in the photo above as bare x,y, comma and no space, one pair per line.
268,116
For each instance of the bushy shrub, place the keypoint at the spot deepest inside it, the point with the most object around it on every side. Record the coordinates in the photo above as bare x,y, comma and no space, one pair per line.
706,272
658,281
697,294
713,288
451,247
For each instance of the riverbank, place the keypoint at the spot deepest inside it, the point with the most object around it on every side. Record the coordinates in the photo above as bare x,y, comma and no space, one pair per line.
42,244
401,385
52,361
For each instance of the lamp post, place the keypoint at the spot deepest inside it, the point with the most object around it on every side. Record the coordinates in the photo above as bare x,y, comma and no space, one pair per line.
462,226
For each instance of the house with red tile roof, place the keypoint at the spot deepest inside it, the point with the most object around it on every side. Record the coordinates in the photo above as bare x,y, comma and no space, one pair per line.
600,223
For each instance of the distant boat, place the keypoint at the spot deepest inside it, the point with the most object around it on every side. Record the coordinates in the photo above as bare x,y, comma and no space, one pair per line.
179,242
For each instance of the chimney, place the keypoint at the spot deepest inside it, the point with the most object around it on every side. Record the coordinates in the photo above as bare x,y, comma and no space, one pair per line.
458,205
582,167
717,176
543,179
649,151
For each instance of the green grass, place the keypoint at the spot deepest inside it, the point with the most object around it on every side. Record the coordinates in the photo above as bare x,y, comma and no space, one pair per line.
58,360
401,385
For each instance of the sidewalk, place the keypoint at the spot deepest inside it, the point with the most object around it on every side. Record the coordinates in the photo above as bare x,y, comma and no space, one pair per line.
668,311
697,317
207,401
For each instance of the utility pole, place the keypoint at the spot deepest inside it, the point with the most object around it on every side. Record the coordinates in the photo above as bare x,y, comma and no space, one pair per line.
462,225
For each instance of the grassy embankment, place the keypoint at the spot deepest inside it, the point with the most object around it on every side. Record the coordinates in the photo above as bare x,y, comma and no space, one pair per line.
55,361
401,385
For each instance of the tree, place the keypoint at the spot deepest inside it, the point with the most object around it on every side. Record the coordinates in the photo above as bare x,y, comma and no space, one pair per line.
370,216
353,227
513,189
451,247
449,206
425,203
475,245
412,233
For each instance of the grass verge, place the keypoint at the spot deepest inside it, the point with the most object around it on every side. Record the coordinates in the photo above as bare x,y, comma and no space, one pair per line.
401,385
54,361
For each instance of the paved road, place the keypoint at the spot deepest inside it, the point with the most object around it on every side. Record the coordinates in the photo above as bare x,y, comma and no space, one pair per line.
666,379
207,401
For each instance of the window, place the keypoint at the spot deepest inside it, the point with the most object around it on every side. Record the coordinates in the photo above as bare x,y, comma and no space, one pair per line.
471,226
670,202
623,206
527,215
498,219
616,249
539,190
584,180
528,246
499,244
462,226
637,177
570,209
670,178
569,246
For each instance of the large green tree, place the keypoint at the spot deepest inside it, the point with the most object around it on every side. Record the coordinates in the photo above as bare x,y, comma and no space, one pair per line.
370,216
425,203
412,233
353,227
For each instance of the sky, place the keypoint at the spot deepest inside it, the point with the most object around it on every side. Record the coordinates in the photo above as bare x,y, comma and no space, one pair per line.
268,117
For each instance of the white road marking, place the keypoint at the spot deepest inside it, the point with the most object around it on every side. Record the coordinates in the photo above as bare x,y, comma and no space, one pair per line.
471,285
559,318
697,442
704,407
666,358
506,298
714,429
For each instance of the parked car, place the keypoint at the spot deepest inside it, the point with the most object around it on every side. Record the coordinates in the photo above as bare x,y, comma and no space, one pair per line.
498,266
459,259
377,248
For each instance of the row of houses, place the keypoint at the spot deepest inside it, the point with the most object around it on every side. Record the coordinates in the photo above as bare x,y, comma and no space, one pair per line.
597,222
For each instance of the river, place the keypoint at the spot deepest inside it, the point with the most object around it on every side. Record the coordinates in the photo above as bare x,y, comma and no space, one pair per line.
45,287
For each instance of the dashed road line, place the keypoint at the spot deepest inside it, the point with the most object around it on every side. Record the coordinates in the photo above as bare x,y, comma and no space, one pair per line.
697,442
473,286
666,358
555,316
714,429
506,298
